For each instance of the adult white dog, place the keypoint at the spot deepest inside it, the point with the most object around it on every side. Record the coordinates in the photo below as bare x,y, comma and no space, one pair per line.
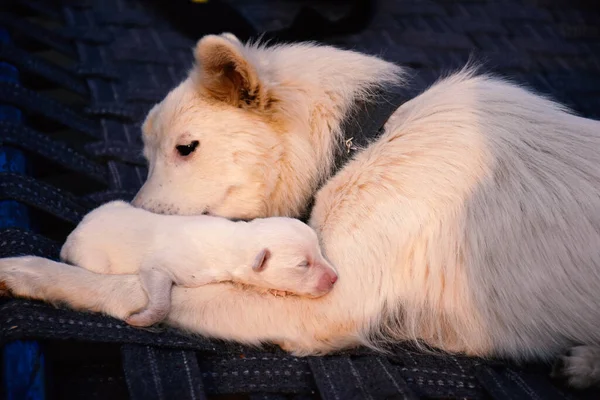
472,223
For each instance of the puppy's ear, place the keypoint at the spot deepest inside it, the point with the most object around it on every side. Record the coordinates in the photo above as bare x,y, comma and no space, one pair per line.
226,74
260,261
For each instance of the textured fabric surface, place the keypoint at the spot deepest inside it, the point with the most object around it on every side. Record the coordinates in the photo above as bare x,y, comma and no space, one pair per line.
550,45
88,72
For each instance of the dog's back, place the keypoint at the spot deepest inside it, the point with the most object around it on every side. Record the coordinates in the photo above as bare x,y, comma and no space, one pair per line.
512,182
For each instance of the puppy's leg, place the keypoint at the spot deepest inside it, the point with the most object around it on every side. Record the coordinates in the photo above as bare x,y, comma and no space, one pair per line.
580,367
157,285
54,282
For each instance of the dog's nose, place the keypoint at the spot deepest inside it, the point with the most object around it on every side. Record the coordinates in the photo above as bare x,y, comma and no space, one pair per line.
334,279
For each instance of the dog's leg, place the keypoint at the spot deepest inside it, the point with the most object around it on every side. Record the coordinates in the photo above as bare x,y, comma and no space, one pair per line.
300,325
54,282
580,367
218,310
157,285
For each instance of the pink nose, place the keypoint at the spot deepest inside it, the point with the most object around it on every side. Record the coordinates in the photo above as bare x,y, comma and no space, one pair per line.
326,282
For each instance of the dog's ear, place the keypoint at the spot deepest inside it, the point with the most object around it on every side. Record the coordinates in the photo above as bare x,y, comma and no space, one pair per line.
226,74
149,122
260,261
232,37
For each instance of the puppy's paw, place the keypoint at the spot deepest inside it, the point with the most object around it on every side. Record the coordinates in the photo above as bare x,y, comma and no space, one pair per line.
147,317
580,367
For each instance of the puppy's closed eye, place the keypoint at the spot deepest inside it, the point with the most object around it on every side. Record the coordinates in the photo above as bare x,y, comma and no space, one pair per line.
304,264
185,150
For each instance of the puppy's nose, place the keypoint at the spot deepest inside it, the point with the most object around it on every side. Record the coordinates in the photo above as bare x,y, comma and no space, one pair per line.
326,282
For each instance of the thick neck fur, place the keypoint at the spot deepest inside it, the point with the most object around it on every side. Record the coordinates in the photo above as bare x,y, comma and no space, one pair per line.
313,87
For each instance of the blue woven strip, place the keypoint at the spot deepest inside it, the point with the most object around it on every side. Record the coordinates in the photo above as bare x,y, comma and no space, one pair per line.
39,104
331,378
38,66
38,143
23,361
506,383
42,196
35,33
154,373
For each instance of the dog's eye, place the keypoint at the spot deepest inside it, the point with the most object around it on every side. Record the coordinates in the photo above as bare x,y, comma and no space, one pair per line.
187,149
304,264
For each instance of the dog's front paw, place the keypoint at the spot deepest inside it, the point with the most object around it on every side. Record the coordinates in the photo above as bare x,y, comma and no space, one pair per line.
580,367
18,275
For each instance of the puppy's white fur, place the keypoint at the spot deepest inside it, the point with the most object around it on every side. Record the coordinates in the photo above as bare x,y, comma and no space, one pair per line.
472,224
192,251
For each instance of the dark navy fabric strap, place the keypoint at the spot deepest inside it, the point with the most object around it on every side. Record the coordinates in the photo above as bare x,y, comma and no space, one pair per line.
35,32
506,383
162,374
36,103
150,94
124,17
117,150
105,196
18,242
87,34
37,66
246,370
104,71
34,142
111,110
42,196
361,378
38,6
142,54
78,4
267,396
42,321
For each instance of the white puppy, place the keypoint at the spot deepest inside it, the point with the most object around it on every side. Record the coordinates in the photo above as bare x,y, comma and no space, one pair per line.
272,253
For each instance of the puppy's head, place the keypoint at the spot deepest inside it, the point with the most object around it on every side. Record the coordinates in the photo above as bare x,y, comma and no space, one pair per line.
212,143
291,259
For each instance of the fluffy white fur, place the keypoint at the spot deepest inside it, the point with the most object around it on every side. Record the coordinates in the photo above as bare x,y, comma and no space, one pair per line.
191,251
472,224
